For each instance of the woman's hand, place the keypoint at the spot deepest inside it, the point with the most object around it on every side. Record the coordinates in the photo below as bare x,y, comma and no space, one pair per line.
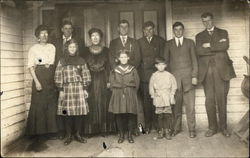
86,94
38,86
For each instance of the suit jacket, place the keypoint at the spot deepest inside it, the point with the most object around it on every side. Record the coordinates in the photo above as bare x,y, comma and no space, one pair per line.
216,54
58,42
182,62
131,45
149,51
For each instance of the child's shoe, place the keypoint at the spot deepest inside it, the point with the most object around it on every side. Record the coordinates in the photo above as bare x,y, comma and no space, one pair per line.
168,134
160,134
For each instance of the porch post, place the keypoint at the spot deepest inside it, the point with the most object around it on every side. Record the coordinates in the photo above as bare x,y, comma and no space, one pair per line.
169,21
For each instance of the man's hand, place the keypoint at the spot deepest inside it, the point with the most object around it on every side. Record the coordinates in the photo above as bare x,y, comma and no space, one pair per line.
194,81
108,85
206,45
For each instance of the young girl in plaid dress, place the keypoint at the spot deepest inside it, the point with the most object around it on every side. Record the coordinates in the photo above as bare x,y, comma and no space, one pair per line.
162,88
72,78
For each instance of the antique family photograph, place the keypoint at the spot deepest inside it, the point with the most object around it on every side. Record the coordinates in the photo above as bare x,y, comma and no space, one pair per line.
125,78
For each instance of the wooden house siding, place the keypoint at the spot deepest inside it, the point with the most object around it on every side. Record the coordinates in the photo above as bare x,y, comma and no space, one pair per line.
12,76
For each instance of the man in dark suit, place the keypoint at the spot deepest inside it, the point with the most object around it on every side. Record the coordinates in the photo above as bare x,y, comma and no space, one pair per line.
182,62
151,46
215,72
67,34
124,42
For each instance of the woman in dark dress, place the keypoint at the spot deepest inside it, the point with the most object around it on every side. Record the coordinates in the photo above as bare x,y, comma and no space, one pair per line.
98,119
42,113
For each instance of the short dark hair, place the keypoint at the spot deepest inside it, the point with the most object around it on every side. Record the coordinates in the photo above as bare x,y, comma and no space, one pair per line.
148,23
66,22
206,14
159,60
41,28
93,30
123,21
178,24
123,51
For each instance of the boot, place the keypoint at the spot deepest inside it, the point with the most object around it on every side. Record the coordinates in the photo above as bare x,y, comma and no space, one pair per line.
160,134
130,137
168,134
68,140
121,137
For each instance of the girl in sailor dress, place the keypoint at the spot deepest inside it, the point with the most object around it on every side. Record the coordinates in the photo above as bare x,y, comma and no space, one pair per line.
124,84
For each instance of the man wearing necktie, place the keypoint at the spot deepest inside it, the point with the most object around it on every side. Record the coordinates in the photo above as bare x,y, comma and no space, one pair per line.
124,42
182,63
215,72
151,46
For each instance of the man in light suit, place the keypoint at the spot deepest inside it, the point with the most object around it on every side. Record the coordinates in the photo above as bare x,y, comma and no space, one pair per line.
182,63
215,72
151,46
124,42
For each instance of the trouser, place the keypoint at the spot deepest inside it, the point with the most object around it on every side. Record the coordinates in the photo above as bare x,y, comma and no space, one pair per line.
149,110
216,91
73,123
188,100
126,122
165,121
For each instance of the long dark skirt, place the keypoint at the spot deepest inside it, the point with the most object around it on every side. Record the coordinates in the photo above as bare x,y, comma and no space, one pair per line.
42,113
99,120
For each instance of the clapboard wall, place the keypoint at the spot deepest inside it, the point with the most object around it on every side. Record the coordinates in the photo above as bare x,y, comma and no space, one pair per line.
234,17
13,110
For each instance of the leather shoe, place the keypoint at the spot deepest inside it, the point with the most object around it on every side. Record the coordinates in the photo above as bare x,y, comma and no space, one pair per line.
130,137
80,139
121,138
210,133
226,133
174,133
192,134
68,140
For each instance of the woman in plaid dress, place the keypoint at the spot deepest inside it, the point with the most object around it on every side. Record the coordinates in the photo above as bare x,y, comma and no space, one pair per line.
72,78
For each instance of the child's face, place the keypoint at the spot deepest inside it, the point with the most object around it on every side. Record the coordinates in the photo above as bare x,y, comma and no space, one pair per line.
72,49
123,58
161,66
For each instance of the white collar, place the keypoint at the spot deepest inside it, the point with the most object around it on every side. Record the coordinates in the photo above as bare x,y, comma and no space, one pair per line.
212,29
126,37
69,38
177,40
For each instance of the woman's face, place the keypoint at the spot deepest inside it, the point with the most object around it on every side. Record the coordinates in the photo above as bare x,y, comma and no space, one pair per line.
95,38
43,36
72,48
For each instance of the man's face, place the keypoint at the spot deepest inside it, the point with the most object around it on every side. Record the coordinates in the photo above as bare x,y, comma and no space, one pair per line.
178,31
149,31
123,29
207,22
67,30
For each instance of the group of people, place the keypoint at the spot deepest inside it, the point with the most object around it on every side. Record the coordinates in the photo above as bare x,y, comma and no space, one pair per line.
80,90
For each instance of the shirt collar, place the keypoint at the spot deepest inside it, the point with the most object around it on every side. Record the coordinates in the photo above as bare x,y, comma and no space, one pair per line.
212,29
177,40
126,37
67,38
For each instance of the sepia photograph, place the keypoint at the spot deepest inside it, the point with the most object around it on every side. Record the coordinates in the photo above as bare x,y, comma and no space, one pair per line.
125,78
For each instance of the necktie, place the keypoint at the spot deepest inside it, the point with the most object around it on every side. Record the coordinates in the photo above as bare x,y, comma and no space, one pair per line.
123,40
149,40
211,32
179,43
